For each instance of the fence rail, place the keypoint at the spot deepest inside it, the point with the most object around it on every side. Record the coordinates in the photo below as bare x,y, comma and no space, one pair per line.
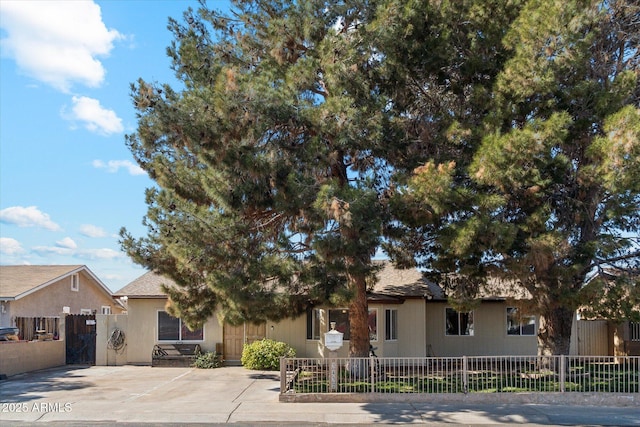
483,374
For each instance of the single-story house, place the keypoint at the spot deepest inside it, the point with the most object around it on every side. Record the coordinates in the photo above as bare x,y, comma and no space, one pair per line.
409,316
622,328
51,290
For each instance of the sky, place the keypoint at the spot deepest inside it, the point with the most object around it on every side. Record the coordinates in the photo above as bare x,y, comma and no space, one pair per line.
68,182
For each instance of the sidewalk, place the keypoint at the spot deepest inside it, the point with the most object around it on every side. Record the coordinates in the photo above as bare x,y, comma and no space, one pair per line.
165,396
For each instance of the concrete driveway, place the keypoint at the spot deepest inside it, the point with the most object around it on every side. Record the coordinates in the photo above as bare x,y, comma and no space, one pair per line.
137,394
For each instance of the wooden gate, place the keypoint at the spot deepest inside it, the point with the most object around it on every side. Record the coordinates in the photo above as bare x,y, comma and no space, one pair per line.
235,337
80,337
593,337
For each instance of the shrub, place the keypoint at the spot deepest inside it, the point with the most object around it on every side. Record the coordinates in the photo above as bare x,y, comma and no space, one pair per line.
265,354
208,360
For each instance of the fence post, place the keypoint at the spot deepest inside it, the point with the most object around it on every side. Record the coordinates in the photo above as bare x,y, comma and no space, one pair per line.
372,371
563,373
283,375
465,374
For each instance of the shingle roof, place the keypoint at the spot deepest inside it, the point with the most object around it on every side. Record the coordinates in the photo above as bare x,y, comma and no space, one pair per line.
146,286
17,281
397,283
392,283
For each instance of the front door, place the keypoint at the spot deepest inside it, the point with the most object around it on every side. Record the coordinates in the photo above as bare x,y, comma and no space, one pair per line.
236,336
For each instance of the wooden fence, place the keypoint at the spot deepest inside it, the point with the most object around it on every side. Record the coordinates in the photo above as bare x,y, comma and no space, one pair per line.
38,328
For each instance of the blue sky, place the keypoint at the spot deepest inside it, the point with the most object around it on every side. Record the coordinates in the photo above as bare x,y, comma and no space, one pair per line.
68,183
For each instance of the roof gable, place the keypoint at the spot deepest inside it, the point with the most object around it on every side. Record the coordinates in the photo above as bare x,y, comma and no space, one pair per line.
149,285
18,281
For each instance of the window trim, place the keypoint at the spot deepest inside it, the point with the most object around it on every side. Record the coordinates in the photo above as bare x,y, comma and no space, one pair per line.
105,309
75,282
459,334
180,326
86,311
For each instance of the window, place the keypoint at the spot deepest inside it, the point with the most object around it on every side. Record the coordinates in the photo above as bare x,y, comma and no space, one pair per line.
391,324
518,324
458,323
313,323
106,309
172,329
373,324
86,311
341,317
75,283
634,331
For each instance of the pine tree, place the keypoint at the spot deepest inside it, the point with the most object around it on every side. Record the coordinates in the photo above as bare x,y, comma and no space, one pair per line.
269,163
533,176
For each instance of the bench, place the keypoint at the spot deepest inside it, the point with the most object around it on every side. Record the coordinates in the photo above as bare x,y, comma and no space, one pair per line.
180,355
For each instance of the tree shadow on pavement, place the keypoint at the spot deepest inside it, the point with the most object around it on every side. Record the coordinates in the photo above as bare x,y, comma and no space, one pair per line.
32,385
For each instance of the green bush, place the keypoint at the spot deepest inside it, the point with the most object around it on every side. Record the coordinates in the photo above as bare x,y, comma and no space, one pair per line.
265,354
208,360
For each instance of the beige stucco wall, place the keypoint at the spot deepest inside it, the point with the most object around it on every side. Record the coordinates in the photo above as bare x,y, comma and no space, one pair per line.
50,300
142,330
17,357
490,334
411,332
293,332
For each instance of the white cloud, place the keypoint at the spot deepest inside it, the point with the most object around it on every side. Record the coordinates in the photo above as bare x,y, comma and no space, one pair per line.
49,250
94,116
28,217
112,166
66,243
92,231
9,246
57,42
90,254
103,253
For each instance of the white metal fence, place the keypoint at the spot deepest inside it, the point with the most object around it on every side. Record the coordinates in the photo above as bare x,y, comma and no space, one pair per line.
483,374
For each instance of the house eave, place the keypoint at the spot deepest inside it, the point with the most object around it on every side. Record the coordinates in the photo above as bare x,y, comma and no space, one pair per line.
140,296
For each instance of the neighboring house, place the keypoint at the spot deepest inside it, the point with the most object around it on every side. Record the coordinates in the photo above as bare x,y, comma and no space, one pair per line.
612,301
149,323
50,290
408,317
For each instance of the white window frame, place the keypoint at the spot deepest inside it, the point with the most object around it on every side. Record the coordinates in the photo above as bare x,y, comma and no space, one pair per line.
75,282
105,309
157,337
472,323
86,311
521,324
391,324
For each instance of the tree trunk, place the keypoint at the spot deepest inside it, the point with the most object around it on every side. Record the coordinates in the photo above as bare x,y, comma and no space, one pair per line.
554,336
359,317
